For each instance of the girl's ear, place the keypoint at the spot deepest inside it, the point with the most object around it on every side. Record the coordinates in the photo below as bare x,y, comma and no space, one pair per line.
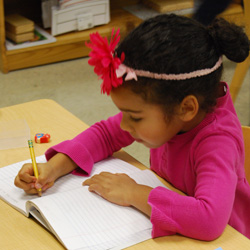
188,108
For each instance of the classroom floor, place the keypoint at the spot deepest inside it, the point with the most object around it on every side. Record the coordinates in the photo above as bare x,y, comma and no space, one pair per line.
74,86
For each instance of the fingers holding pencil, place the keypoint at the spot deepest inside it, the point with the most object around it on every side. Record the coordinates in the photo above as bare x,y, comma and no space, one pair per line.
26,180
37,177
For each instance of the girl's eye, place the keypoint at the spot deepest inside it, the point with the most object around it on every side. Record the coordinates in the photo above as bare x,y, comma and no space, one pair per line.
135,119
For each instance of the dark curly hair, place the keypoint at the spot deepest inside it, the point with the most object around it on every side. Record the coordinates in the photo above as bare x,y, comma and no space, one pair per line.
174,44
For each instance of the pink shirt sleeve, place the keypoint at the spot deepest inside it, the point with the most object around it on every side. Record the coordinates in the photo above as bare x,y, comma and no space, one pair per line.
94,144
206,210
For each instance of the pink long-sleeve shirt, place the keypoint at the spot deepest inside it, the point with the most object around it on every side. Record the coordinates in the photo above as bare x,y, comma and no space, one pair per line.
206,163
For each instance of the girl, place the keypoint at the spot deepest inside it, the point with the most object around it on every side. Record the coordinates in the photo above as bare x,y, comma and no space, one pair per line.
165,80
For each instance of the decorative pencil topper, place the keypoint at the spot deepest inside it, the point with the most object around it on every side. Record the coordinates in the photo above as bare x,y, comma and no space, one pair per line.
104,60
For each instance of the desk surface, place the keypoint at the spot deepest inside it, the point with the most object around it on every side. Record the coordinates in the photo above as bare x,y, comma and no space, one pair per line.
20,233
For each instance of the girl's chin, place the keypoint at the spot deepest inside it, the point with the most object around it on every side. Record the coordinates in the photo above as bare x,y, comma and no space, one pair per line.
146,144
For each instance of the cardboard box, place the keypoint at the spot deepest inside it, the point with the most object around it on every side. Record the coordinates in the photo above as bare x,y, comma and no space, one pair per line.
17,24
19,38
80,17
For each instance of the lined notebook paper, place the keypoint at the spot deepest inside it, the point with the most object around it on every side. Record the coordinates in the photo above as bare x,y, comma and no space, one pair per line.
78,218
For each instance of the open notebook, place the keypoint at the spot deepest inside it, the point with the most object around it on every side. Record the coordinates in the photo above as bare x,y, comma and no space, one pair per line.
78,218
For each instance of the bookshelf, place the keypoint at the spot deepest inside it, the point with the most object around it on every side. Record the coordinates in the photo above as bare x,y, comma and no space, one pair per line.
68,46
71,45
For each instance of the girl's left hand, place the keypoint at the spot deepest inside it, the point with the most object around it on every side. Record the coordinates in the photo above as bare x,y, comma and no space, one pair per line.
116,188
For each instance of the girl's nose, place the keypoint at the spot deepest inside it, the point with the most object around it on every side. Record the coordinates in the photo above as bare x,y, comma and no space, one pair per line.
125,125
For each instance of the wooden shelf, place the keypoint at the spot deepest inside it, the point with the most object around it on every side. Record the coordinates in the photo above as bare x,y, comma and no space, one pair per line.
68,46
72,45
234,12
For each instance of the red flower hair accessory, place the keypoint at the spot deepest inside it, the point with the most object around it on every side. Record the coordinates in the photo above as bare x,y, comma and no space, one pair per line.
104,60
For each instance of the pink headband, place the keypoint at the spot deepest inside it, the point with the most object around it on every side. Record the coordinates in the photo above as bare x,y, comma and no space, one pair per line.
133,73
109,67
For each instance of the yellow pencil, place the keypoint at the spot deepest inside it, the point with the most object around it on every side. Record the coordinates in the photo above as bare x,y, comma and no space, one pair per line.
33,159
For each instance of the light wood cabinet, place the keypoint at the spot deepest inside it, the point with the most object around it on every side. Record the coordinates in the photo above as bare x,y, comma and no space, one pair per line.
68,46
71,45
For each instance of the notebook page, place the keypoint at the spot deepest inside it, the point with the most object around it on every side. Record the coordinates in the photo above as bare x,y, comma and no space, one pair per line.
82,219
18,198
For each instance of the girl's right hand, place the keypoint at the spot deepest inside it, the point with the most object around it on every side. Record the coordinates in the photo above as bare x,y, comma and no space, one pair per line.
26,180
59,165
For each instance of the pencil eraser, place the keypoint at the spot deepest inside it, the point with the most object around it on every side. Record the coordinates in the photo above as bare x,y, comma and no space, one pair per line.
42,138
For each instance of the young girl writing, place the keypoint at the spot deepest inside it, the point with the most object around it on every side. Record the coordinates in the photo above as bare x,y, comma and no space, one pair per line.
165,80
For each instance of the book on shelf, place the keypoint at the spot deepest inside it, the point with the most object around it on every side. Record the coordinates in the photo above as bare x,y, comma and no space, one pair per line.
40,37
78,218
